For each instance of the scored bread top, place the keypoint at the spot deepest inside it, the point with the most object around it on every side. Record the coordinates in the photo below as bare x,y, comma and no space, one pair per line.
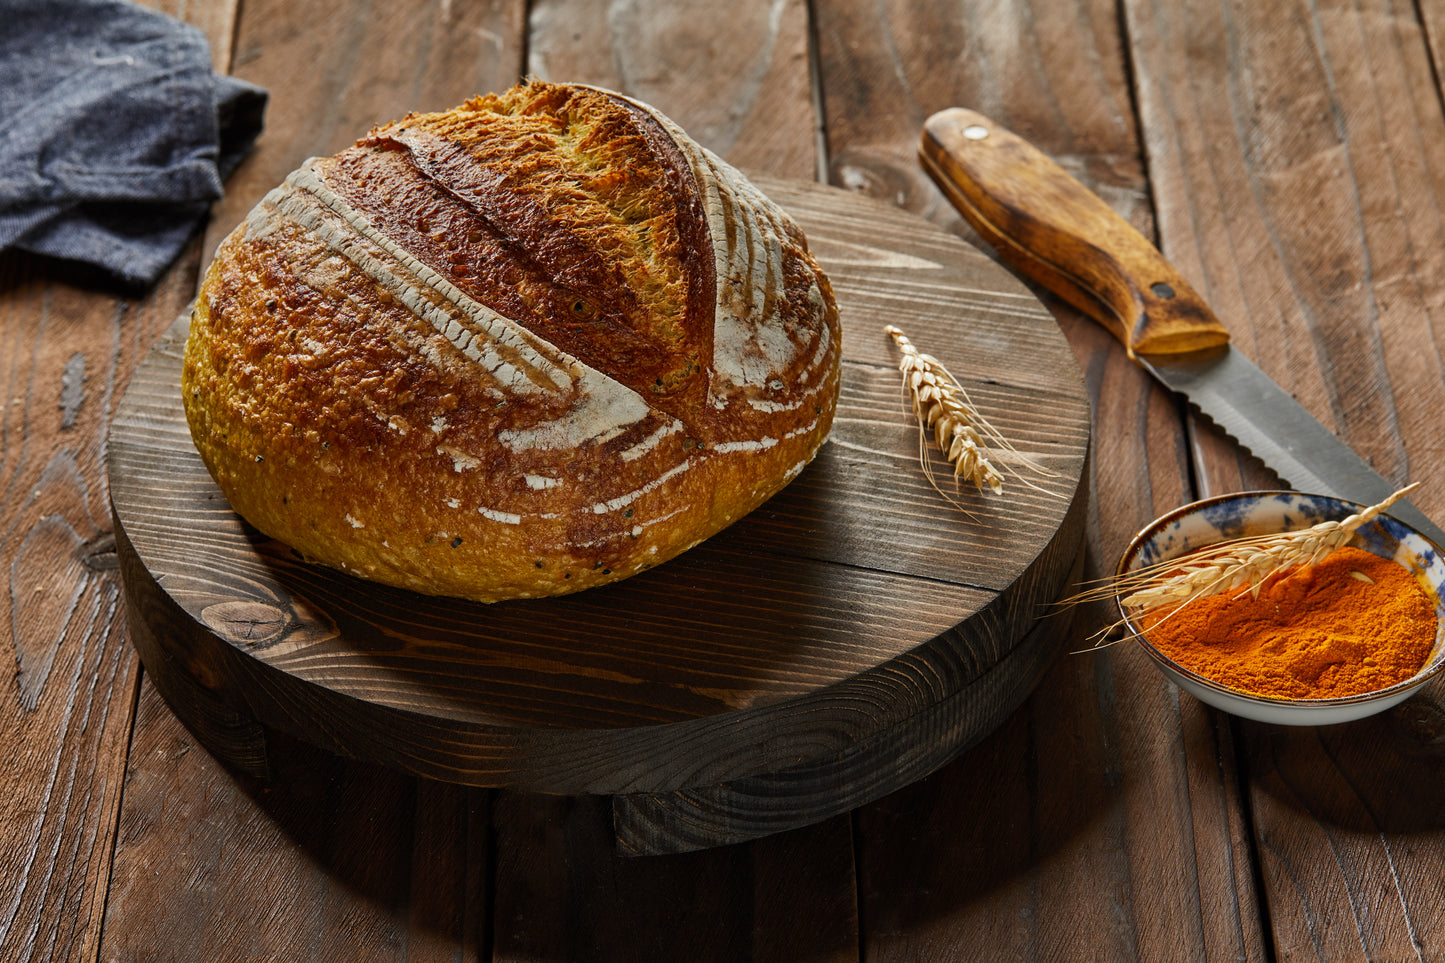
528,345
586,242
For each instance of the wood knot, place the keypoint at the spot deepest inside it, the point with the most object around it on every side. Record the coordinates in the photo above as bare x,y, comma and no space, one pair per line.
1423,719
249,623
98,554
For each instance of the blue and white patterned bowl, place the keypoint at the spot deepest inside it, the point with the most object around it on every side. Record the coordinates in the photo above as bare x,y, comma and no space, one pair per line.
1267,513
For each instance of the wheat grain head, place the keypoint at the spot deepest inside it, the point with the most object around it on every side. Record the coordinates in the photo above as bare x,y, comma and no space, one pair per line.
1243,562
945,413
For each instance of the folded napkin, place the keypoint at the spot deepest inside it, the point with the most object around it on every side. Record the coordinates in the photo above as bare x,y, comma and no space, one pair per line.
117,133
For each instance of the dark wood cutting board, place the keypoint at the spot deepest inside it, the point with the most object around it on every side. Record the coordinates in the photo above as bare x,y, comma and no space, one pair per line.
849,637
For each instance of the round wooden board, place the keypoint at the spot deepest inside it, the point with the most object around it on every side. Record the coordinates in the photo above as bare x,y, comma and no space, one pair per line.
848,637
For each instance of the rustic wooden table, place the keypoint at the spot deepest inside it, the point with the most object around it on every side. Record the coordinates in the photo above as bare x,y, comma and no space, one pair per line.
1287,156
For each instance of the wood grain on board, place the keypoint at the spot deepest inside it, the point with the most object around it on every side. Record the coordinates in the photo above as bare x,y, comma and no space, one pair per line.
820,633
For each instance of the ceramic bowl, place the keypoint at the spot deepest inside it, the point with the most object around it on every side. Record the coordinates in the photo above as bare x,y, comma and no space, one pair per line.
1269,512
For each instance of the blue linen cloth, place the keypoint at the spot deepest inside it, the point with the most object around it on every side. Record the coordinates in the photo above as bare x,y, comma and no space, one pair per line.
118,133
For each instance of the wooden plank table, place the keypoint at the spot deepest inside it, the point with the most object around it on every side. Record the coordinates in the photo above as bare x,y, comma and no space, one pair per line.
1288,157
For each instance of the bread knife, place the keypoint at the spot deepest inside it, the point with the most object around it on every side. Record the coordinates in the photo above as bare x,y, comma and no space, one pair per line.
1053,230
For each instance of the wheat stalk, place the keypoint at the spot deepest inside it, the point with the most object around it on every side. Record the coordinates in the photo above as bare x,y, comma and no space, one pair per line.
1247,561
1228,565
944,410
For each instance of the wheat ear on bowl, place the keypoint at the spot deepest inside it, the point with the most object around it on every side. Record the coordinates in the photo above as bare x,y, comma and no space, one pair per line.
530,345
1243,562
1234,563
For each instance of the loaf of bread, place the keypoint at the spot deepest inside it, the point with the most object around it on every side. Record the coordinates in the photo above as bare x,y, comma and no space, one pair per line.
523,347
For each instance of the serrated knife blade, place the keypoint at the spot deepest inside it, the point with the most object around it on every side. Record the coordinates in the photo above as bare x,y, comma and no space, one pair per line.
1232,392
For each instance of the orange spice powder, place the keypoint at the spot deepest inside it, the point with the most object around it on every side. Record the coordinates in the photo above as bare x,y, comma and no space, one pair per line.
1316,632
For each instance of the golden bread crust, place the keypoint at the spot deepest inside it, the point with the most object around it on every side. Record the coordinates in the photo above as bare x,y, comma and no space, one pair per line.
523,347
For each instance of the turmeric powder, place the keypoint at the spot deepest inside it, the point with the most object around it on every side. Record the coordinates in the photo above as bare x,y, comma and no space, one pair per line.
1348,624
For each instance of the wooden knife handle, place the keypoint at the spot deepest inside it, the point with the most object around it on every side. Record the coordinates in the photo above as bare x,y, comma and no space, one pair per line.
1049,227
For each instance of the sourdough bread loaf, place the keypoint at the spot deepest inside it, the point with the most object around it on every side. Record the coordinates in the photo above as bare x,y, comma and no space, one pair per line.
523,347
